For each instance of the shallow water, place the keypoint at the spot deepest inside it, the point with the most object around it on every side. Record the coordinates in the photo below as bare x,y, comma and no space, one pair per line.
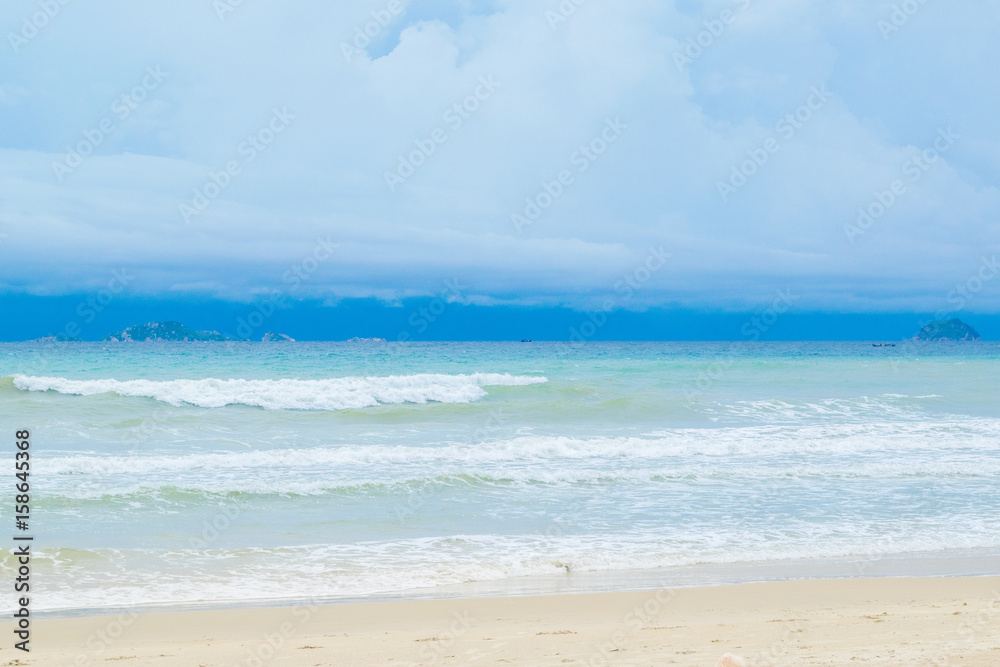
216,472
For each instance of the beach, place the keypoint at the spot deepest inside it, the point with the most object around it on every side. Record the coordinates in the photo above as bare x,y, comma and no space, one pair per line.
911,621
500,333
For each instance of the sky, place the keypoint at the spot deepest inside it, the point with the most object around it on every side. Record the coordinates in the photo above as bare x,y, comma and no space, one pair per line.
519,162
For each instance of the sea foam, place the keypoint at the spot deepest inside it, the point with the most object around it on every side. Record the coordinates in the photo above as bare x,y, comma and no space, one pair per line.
330,394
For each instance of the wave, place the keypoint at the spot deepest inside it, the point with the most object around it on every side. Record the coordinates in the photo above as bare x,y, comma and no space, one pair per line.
330,394
964,450
758,442
194,490
193,573
882,406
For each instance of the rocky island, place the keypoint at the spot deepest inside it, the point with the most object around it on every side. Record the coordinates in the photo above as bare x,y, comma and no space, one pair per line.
954,329
271,337
163,331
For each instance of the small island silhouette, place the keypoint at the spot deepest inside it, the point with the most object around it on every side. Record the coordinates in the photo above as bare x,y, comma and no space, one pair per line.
175,331
953,329
162,331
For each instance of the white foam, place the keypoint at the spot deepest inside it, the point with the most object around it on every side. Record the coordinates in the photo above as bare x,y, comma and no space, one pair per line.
882,406
112,577
290,483
330,394
848,439
874,451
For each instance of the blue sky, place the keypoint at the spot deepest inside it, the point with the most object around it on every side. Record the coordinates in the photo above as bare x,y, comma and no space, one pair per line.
547,157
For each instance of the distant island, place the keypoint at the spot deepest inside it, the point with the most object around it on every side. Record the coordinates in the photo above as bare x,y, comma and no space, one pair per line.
163,331
271,337
174,331
953,329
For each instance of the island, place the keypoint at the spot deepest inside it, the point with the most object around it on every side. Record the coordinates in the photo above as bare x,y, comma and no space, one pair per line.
953,329
271,337
164,331
57,338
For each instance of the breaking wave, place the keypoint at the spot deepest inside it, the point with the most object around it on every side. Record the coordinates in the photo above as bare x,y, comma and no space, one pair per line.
331,394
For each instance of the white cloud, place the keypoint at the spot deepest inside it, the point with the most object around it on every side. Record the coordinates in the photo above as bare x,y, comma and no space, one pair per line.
656,185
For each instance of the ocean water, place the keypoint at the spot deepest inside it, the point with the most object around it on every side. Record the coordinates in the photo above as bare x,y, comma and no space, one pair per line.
186,473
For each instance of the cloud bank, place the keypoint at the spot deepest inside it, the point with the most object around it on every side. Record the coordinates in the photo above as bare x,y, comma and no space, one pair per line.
538,152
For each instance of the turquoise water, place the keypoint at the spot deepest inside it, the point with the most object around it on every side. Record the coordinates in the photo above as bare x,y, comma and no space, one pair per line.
216,472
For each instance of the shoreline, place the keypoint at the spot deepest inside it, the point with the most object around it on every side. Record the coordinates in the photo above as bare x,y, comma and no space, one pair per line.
933,564
802,622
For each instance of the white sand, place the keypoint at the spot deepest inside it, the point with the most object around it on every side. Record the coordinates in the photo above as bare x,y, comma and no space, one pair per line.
926,621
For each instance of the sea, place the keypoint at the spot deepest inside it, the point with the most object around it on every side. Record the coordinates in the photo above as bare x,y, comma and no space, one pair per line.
176,475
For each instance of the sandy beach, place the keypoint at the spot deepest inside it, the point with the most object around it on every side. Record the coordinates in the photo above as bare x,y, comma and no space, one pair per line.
925,621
